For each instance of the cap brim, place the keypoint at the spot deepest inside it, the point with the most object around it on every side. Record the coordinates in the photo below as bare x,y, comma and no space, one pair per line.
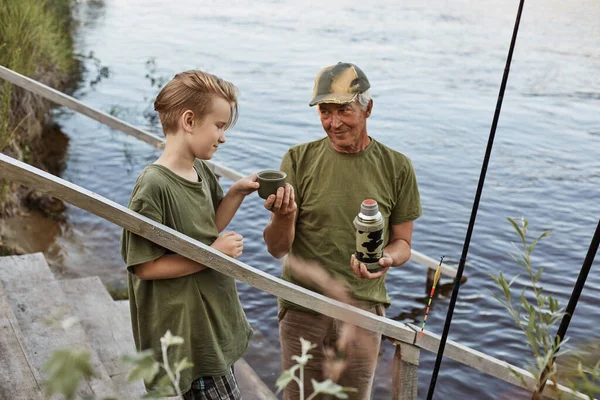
335,98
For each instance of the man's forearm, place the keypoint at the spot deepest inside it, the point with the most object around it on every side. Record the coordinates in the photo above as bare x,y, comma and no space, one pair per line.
167,267
399,250
227,209
279,234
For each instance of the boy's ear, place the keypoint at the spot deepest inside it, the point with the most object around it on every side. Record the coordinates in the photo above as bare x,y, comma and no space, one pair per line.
187,120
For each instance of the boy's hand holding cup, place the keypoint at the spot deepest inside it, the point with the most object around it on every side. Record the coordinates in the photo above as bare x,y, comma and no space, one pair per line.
246,185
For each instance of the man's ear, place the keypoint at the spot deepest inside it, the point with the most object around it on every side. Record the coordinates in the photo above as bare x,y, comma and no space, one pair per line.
369,108
187,121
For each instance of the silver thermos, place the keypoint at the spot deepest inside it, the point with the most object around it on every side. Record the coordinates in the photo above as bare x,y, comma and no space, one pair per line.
369,226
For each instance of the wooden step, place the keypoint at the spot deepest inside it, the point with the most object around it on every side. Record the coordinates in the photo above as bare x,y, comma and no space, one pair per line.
108,329
19,380
35,297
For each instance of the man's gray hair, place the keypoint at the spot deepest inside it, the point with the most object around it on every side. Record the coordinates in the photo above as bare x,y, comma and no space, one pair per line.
364,98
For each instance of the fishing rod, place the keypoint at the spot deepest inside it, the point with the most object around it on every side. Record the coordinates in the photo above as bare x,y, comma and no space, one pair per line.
564,324
488,151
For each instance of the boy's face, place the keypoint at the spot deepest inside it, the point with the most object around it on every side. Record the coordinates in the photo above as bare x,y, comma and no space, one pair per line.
208,133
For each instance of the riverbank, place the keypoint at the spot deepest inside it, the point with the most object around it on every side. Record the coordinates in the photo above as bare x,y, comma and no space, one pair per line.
36,41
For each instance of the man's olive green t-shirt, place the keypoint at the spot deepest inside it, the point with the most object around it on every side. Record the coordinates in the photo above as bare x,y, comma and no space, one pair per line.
203,308
329,188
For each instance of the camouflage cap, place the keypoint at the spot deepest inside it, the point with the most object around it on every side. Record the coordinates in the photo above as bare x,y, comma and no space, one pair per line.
339,84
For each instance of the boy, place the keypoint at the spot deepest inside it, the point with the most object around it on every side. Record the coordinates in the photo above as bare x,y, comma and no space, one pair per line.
168,291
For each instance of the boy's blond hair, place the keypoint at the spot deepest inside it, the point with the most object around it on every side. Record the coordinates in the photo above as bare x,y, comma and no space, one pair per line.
193,90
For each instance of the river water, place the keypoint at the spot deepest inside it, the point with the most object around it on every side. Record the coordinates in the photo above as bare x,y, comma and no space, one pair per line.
435,69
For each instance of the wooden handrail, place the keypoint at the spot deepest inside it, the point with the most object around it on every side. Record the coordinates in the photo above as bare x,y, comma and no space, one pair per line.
115,123
19,172
29,176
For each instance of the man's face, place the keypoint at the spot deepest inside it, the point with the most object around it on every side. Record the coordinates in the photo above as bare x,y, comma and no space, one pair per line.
345,124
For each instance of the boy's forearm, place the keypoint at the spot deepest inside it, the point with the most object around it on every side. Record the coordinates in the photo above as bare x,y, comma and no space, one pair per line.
167,267
279,234
227,209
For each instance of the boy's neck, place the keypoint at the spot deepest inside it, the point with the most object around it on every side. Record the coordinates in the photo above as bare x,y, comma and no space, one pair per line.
177,157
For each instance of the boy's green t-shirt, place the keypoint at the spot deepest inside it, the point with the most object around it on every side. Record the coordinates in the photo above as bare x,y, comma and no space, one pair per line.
203,308
329,189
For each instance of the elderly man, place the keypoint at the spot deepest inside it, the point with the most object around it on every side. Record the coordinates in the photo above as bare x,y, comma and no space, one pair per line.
312,218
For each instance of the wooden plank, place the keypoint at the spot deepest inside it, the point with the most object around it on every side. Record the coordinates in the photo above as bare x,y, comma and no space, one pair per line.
489,365
35,300
108,329
115,123
19,380
27,175
250,384
430,263
405,375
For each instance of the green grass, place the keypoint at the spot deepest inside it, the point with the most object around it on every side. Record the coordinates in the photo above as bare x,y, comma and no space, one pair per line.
118,291
35,40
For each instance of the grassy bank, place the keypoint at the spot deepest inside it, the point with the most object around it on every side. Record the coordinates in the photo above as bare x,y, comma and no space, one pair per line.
35,40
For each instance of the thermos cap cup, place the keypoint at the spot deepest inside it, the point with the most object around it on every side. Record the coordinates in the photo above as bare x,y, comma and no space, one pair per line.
369,211
369,208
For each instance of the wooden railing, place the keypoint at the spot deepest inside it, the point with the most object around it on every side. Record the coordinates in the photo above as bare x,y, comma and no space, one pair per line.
115,123
404,336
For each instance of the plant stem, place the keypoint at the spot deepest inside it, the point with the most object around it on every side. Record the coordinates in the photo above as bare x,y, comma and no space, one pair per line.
167,369
301,384
312,396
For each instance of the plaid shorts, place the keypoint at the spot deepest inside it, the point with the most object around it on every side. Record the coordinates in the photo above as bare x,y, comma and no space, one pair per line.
214,388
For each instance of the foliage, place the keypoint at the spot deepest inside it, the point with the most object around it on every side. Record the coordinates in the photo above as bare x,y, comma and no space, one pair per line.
66,368
118,291
34,41
326,387
537,319
581,368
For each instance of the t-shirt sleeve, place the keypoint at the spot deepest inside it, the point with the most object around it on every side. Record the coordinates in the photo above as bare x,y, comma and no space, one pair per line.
136,249
288,165
408,204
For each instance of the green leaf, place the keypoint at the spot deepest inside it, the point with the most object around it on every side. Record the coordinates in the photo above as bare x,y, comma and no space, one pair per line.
302,360
306,346
518,375
329,387
170,340
535,242
286,377
144,366
521,260
518,228
538,275
134,358
183,365
164,383
65,370
496,280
